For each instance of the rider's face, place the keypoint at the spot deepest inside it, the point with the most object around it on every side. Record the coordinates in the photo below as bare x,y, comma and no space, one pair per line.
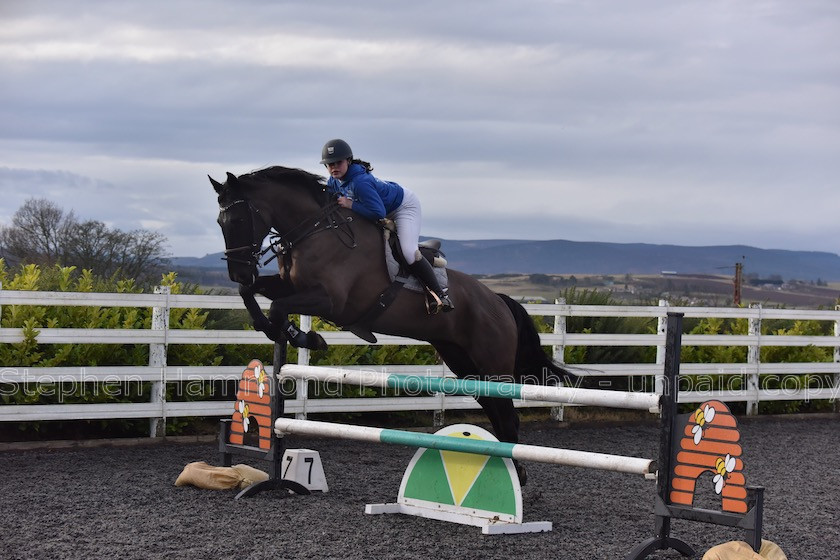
338,169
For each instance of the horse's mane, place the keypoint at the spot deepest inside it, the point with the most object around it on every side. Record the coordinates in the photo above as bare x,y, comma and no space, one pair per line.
303,180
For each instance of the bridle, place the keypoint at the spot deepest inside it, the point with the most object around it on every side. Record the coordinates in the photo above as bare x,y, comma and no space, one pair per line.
281,244
254,251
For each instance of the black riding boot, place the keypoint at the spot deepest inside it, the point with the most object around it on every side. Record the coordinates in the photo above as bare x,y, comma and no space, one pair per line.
423,271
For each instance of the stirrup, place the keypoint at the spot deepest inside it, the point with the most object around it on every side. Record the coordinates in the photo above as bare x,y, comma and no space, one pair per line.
446,304
435,303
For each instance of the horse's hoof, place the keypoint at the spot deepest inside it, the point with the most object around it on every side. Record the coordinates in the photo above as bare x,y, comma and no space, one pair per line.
315,341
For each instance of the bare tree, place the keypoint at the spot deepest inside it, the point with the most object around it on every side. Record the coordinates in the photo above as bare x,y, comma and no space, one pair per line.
87,245
43,233
37,232
138,254
145,254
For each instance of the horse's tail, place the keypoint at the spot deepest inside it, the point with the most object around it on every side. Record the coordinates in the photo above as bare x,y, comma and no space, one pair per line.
532,363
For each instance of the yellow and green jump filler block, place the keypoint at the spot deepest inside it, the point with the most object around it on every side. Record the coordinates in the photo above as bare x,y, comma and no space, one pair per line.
466,488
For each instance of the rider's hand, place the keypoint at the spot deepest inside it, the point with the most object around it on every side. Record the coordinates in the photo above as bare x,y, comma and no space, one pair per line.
345,202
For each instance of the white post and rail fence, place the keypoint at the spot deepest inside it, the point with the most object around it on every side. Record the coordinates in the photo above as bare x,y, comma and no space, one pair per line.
750,382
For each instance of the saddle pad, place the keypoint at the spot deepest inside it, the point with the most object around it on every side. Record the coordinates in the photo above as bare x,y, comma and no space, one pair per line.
413,283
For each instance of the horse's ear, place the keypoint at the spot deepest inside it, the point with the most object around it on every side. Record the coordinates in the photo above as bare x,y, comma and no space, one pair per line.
231,178
216,185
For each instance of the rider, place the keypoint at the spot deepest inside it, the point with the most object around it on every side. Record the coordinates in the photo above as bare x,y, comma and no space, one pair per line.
375,199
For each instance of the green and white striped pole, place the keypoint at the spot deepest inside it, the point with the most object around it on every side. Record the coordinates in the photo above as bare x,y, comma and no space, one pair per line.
475,388
569,457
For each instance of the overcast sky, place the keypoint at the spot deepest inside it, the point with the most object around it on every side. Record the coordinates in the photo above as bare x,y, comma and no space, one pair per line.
675,122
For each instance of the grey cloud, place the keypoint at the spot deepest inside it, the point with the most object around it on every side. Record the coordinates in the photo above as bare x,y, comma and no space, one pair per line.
729,100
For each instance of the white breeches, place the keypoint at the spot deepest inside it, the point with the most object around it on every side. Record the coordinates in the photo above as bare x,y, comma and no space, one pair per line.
407,218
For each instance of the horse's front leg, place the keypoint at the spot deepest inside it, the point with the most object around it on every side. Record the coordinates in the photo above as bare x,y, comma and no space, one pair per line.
284,301
271,287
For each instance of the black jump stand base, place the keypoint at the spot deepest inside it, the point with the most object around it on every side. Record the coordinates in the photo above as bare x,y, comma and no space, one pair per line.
643,549
290,486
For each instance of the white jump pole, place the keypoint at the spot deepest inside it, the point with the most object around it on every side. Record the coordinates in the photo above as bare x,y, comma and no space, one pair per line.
475,388
568,457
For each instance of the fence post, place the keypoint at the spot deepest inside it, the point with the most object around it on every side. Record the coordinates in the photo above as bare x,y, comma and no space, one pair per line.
558,351
754,358
661,329
157,358
439,414
301,385
836,360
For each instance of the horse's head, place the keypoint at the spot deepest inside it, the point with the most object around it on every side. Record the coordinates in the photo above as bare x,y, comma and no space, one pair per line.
243,230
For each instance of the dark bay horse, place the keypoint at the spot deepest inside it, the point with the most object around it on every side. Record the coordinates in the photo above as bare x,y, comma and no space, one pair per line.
332,265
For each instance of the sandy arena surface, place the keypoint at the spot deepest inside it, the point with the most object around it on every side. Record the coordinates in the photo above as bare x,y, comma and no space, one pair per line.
120,502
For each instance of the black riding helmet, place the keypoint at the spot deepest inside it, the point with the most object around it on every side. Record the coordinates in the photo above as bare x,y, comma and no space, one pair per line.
335,150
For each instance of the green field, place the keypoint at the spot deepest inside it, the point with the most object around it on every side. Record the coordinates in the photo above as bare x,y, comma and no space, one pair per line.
697,289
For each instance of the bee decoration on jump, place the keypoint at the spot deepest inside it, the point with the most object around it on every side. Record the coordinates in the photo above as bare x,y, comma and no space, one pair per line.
261,377
723,466
244,409
703,417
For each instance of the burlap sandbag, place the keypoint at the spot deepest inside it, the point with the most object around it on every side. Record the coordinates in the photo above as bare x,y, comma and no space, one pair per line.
202,475
739,550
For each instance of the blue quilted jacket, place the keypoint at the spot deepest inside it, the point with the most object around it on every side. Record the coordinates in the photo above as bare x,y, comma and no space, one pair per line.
372,198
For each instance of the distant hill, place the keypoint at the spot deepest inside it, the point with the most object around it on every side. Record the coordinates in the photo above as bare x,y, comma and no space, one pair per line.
497,256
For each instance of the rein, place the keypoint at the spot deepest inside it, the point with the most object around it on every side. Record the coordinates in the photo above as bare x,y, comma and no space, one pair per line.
326,220
280,244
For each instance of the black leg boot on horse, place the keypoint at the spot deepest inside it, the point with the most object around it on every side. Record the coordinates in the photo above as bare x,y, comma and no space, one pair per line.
440,297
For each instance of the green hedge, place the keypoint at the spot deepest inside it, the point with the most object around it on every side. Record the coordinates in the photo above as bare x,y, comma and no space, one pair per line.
31,319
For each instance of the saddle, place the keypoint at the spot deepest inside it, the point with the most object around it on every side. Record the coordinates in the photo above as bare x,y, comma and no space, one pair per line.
429,249
400,277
